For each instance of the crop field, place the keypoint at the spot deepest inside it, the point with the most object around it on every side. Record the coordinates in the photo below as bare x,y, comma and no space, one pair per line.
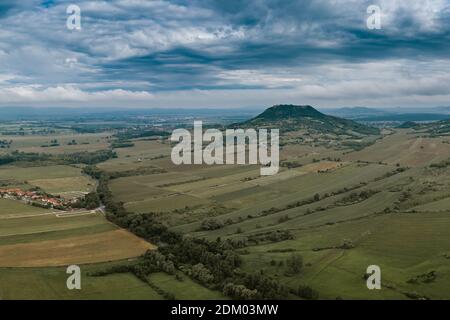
420,246
50,284
36,237
57,180
340,209
405,245
439,205
42,144
74,250
64,185
168,203
405,148
186,289
48,239
12,207
142,154
33,173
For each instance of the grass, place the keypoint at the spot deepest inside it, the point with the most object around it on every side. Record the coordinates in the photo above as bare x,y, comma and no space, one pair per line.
50,284
140,155
97,247
135,189
47,223
48,240
279,194
58,180
419,246
57,234
185,289
171,202
13,207
64,185
440,205
34,173
34,143
405,245
404,148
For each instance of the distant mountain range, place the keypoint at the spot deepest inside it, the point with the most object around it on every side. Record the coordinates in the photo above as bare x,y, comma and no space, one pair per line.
363,114
93,113
392,114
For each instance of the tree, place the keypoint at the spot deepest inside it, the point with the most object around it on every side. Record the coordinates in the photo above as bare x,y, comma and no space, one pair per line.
294,264
211,224
92,201
306,292
201,273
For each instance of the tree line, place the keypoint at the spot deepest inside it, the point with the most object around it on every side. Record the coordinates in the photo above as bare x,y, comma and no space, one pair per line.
84,157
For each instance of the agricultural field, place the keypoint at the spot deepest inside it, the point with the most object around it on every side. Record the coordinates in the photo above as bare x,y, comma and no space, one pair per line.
143,154
401,226
59,143
257,151
56,238
37,244
185,288
405,147
339,208
57,180
13,207
50,284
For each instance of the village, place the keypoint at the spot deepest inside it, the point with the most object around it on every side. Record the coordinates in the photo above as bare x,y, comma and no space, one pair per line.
38,199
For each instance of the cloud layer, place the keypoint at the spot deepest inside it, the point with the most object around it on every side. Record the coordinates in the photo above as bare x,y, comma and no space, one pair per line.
214,53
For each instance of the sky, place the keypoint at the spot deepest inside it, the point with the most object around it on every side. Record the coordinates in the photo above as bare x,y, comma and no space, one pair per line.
225,54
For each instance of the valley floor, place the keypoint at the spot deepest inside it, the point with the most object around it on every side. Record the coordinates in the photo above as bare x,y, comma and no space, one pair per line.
342,211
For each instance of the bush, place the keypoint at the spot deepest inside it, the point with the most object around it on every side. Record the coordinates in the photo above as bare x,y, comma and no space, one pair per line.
306,292
239,292
202,274
211,224
294,264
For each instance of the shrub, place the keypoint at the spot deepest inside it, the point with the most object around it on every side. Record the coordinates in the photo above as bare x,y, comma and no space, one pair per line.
306,292
211,224
294,264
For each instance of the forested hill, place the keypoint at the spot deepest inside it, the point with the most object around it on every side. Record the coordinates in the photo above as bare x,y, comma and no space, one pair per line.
293,117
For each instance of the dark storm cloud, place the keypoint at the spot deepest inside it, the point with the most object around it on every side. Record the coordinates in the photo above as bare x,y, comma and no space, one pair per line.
288,34
160,46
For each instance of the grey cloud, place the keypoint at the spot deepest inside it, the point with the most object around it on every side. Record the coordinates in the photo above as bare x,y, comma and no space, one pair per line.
199,46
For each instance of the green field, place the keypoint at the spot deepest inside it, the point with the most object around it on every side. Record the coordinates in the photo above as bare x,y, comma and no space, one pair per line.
55,239
343,210
33,173
58,180
36,143
13,207
50,283
186,289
